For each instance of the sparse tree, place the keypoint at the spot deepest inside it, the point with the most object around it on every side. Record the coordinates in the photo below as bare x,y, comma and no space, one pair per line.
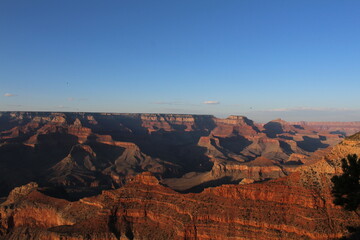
346,189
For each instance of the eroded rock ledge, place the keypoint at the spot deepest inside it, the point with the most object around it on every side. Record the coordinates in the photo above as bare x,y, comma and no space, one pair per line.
298,206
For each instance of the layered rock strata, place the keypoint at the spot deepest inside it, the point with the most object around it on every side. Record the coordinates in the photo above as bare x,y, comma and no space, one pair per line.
298,206
187,152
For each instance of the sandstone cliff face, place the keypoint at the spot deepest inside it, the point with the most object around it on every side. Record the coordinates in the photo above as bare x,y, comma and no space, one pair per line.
103,150
235,124
172,122
346,128
298,206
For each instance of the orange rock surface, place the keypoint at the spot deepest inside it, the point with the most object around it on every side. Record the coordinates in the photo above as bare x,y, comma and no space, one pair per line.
187,152
298,206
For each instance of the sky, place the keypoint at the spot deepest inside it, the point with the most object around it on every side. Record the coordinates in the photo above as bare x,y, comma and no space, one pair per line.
295,60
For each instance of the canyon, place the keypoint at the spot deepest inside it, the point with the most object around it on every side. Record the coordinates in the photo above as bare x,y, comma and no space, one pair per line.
170,176
298,206
82,152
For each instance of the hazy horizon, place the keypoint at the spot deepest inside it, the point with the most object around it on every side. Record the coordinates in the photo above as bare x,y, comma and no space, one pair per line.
295,60
263,117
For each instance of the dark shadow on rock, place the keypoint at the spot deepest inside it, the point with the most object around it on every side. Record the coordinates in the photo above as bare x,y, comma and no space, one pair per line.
55,191
178,146
322,138
354,233
299,127
286,147
342,133
292,163
311,144
272,129
18,166
212,183
235,144
53,147
105,153
74,193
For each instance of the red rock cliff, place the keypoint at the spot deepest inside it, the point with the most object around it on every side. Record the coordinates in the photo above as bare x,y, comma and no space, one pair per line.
298,206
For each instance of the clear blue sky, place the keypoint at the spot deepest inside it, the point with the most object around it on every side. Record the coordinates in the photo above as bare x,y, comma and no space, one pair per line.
299,60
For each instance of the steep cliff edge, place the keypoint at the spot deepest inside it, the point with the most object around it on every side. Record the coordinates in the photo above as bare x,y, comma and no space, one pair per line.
346,128
298,206
185,151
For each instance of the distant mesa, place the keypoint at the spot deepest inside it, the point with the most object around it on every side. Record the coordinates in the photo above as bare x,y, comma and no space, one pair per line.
297,206
169,176
186,152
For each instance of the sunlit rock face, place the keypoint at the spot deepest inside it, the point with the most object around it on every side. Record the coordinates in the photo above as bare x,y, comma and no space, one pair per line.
298,206
186,152
144,158
346,128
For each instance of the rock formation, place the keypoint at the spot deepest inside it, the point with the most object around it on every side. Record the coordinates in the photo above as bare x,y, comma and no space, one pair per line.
298,206
345,128
98,151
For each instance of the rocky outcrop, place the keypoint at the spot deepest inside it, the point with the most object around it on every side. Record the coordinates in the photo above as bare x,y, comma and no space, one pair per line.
346,128
298,206
103,150
190,153
260,169
169,122
235,124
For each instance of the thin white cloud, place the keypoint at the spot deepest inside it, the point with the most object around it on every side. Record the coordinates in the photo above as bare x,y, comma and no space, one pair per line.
308,109
168,103
211,102
174,103
9,95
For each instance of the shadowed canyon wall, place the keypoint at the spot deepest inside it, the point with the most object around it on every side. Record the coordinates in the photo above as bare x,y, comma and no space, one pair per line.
187,152
279,173
298,206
